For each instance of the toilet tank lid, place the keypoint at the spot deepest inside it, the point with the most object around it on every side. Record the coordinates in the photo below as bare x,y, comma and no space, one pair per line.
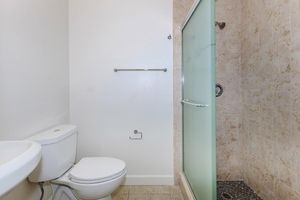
54,134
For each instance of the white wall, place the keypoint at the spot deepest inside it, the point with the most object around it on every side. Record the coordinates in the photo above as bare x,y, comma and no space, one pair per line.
33,71
108,106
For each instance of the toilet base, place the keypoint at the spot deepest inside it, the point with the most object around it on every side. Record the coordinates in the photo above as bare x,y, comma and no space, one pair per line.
63,192
106,198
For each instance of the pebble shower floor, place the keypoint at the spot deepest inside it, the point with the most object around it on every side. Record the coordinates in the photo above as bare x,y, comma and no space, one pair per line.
235,190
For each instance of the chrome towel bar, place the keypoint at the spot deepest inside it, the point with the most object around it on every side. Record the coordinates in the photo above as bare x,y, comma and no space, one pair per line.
140,70
192,103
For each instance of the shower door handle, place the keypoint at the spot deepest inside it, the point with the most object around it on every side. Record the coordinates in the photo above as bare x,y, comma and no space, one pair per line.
193,103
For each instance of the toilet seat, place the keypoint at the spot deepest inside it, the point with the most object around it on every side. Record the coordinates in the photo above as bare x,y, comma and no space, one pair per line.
92,170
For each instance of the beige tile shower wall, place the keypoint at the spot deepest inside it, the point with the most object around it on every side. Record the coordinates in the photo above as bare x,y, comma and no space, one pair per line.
271,97
228,74
228,69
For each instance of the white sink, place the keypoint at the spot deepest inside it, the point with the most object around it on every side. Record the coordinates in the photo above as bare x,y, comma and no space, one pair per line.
17,160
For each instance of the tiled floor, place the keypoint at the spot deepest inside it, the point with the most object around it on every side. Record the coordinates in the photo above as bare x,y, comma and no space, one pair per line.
148,193
227,190
235,190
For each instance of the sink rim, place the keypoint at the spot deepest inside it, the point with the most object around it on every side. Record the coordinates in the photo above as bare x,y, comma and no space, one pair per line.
15,170
29,144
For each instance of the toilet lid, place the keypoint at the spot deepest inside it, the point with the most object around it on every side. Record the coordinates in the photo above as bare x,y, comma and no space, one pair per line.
97,169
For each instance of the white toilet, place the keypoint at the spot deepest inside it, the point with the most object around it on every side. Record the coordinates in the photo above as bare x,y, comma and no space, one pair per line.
92,178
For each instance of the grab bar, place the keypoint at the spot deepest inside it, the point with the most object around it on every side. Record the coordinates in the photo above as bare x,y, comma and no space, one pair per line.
192,103
143,70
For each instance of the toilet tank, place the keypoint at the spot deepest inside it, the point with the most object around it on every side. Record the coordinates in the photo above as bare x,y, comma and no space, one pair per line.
58,152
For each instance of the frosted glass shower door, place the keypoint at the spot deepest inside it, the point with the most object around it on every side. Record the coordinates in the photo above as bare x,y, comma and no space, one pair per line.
199,140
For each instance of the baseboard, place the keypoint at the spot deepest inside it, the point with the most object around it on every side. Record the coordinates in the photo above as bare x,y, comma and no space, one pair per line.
185,188
149,180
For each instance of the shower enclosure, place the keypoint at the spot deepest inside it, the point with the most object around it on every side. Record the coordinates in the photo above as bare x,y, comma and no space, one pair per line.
198,104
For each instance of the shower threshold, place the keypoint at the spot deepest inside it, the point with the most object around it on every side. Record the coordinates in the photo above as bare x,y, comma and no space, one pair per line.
235,190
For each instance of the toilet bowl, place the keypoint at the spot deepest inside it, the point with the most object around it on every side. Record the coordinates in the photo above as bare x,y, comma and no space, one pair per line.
92,178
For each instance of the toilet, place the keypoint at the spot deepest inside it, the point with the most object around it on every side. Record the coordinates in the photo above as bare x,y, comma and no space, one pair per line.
92,178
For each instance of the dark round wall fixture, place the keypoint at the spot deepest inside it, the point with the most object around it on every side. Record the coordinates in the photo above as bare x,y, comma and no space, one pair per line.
219,90
221,25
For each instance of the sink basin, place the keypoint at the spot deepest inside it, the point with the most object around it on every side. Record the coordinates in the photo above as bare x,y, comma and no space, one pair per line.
17,160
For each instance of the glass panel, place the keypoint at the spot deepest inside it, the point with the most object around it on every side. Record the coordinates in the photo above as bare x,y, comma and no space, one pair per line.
199,140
